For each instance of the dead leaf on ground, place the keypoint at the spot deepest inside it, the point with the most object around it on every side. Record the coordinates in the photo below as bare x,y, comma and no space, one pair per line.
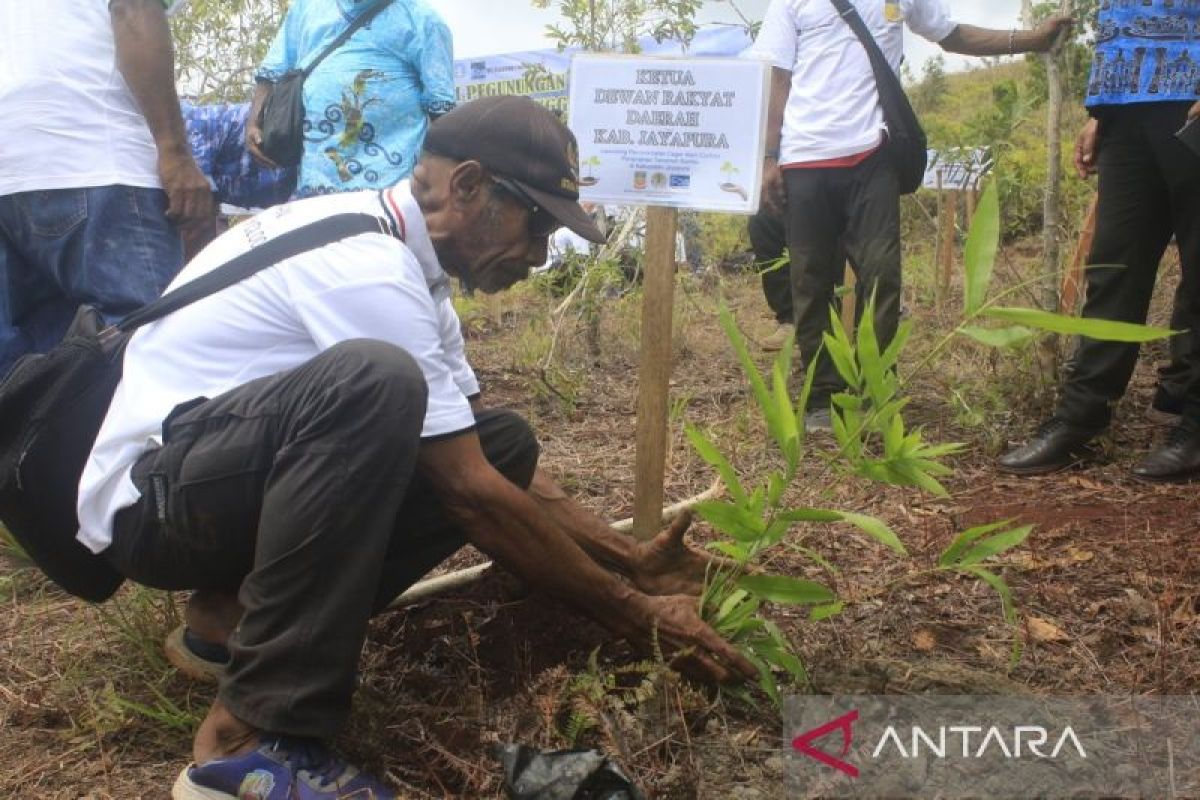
924,640
1043,630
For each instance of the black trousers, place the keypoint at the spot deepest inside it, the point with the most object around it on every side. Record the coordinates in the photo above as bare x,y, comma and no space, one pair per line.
1149,189
858,209
768,240
298,491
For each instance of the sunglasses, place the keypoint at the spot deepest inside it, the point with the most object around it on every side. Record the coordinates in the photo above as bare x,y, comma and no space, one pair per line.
541,222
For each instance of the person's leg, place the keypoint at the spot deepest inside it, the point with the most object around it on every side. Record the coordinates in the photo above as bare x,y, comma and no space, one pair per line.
814,224
111,247
33,229
872,240
286,489
769,243
1133,226
1178,458
1173,376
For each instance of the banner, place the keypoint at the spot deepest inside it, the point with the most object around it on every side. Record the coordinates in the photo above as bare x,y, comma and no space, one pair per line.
542,74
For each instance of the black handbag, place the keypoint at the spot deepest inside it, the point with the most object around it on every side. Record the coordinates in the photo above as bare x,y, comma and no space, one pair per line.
906,144
281,118
52,406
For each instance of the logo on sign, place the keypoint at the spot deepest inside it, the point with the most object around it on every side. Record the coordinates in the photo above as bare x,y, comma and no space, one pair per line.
680,181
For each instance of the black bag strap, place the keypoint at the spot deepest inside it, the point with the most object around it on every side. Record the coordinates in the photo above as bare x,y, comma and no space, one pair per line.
359,21
284,246
886,79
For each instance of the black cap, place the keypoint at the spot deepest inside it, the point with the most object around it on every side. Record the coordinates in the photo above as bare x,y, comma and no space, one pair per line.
521,140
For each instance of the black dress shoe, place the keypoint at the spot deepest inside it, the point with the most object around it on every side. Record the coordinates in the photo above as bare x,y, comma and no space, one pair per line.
1056,445
1178,459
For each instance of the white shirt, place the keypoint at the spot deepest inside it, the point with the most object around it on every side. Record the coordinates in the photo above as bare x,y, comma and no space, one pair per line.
833,107
370,286
67,117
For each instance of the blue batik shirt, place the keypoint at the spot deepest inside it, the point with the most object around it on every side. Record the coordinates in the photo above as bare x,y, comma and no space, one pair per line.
217,135
1146,51
367,105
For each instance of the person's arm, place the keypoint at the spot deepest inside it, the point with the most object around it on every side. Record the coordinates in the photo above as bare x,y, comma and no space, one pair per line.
1085,148
435,63
253,130
508,525
1194,111
662,566
147,63
773,195
969,40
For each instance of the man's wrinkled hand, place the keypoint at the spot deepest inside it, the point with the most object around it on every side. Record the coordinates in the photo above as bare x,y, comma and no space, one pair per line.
667,565
189,195
1052,32
692,646
1085,149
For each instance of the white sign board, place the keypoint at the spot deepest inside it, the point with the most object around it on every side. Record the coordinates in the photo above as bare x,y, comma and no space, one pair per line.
957,168
686,133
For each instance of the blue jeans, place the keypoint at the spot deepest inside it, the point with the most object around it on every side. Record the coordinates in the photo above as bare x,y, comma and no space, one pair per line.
108,246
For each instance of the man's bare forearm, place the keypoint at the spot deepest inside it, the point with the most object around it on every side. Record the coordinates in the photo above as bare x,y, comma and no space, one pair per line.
147,62
510,526
969,40
605,546
781,85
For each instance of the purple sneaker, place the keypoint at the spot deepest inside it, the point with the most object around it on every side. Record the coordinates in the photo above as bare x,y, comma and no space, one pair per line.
281,769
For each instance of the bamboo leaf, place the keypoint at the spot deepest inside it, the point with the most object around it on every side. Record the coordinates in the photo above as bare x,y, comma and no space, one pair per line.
1104,329
757,385
731,519
1002,589
1012,336
709,452
994,545
820,613
782,589
964,539
877,529
979,255
731,550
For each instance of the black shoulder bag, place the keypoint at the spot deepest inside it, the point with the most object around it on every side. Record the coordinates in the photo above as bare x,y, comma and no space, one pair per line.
281,119
52,406
906,143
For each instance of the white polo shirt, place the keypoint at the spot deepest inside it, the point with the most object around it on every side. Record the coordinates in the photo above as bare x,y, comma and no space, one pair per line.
372,286
833,107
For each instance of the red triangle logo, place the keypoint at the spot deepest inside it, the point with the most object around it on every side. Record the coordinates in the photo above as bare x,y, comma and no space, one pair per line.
845,723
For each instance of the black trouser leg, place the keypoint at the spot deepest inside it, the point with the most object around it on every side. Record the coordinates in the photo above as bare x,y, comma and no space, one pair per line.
873,243
814,226
769,243
1174,375
1139,191
863,203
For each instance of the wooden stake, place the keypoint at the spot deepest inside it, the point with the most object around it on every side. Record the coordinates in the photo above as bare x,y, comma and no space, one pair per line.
1073,280
1052,200
654,376
949,231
